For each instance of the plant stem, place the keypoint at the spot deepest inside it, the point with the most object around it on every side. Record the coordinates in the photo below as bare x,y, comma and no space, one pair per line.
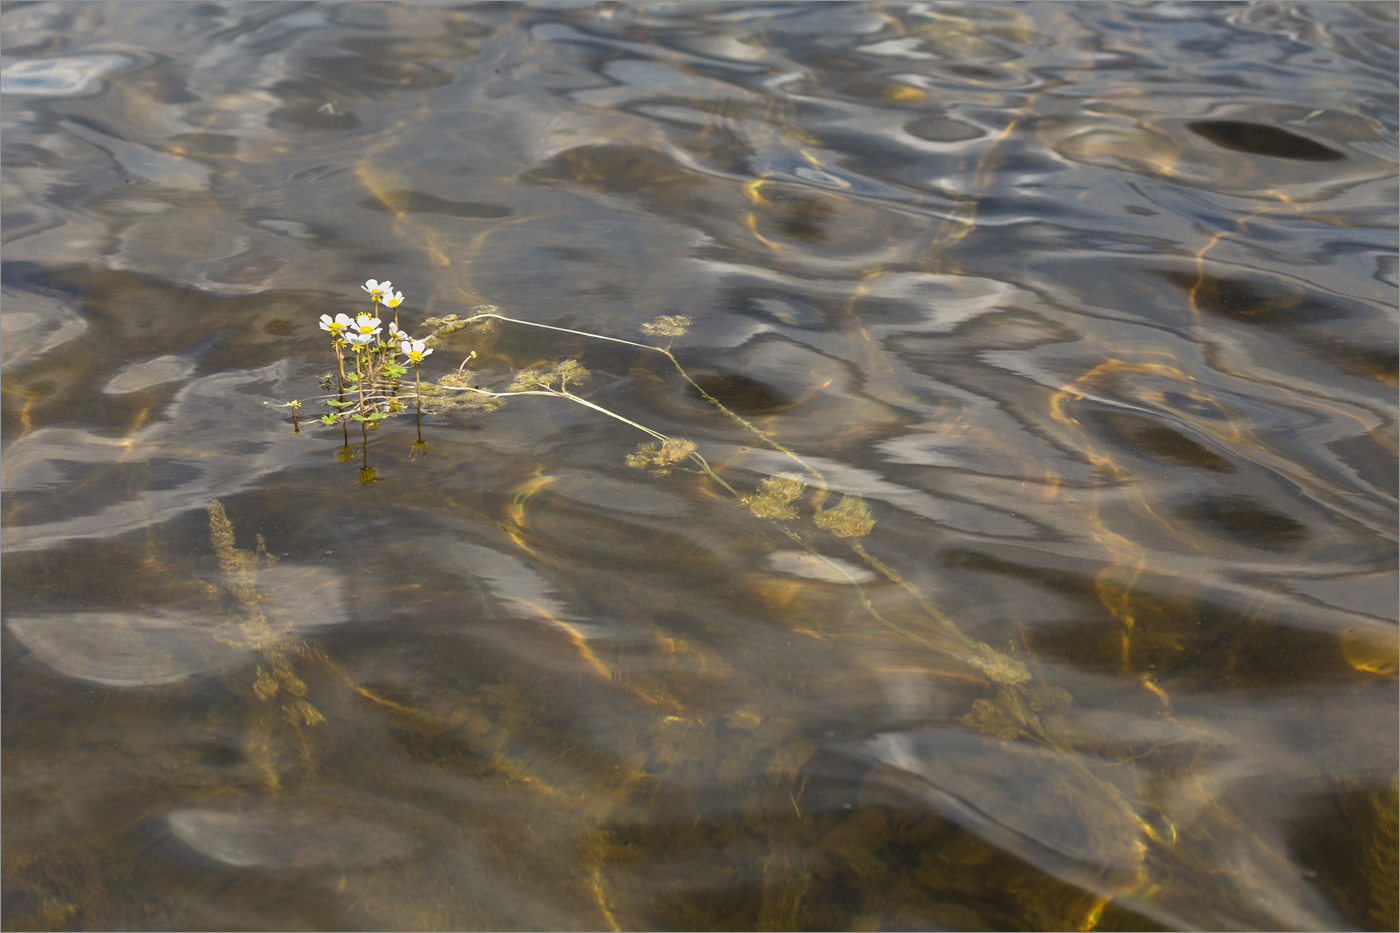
360,382
555,393
745,424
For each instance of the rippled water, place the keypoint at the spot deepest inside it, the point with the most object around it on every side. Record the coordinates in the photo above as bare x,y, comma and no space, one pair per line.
1044,356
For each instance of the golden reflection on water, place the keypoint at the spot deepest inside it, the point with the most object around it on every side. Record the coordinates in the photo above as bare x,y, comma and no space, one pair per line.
1008,541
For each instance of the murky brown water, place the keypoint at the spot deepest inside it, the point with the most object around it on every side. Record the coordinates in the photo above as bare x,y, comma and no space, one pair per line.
1043,355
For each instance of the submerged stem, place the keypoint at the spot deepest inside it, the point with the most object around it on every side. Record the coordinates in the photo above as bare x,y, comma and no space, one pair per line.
742,422
556,393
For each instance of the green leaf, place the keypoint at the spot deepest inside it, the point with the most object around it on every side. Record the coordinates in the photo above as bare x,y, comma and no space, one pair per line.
329,419
331,401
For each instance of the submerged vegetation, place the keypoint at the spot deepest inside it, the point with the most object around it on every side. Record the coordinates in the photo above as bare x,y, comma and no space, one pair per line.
1119,850
371,387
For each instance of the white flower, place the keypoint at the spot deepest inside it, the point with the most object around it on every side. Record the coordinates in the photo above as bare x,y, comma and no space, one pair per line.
395,333
335,327
359,340
366,326
376,289
391,298
414,351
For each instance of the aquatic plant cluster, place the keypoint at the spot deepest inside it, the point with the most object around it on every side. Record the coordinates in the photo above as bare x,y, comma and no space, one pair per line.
375,386
1019,705
372,390
377,368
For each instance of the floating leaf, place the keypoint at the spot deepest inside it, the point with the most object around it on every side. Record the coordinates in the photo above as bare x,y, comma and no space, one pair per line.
850,519
264,685
300,712
1047,699
1380,866
661,458
774,497
642,456
450,324
528,379
448,394
1001,668
555,377
1003,717
444,325
668,325
568,370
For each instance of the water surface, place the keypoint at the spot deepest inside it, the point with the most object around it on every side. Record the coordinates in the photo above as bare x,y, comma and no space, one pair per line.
1044,357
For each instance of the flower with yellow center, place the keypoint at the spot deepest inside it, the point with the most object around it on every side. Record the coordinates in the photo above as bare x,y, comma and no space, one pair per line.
413,349
376,289
337,326
391,298
366,326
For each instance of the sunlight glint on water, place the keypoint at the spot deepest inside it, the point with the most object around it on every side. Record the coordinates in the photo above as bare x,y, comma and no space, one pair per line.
1033,565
